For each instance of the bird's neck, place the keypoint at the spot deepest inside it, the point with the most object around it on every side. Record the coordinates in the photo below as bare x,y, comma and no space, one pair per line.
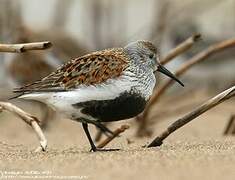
143,82
142,74
146,84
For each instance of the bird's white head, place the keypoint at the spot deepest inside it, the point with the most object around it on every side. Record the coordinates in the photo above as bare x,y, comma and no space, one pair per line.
147,55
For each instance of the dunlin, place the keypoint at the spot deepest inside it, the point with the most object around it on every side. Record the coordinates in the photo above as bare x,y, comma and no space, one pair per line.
103,86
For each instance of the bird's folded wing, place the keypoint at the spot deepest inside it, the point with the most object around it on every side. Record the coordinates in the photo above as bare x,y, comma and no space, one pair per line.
90,69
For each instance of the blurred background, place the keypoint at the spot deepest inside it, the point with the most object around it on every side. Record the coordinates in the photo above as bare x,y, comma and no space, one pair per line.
77,27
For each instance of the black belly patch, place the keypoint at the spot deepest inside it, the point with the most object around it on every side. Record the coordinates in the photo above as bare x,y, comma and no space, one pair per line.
127,105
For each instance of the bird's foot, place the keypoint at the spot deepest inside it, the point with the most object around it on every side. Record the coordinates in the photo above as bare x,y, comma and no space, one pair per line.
101,149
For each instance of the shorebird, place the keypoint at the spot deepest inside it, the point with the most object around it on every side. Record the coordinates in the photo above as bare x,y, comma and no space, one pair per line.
103,86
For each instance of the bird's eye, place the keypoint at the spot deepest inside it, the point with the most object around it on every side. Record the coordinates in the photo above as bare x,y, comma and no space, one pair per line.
151,56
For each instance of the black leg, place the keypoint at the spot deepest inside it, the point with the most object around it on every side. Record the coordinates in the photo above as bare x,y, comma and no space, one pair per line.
85,127
102,127
98,135
93,147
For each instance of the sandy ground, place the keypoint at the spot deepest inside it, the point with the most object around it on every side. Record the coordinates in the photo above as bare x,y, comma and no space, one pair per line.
197,151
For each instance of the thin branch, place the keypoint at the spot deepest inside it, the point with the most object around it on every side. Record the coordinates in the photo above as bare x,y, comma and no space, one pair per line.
115,134
29,119
213,49
181,48
230,128
191,62
227,94
19,48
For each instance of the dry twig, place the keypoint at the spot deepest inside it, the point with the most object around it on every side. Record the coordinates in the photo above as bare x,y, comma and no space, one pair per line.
227,94
186,66
19,48
181,48
29,119
26,117
115,134
230,128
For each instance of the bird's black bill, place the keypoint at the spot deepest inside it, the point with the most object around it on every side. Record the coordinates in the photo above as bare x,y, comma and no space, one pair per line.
163,70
